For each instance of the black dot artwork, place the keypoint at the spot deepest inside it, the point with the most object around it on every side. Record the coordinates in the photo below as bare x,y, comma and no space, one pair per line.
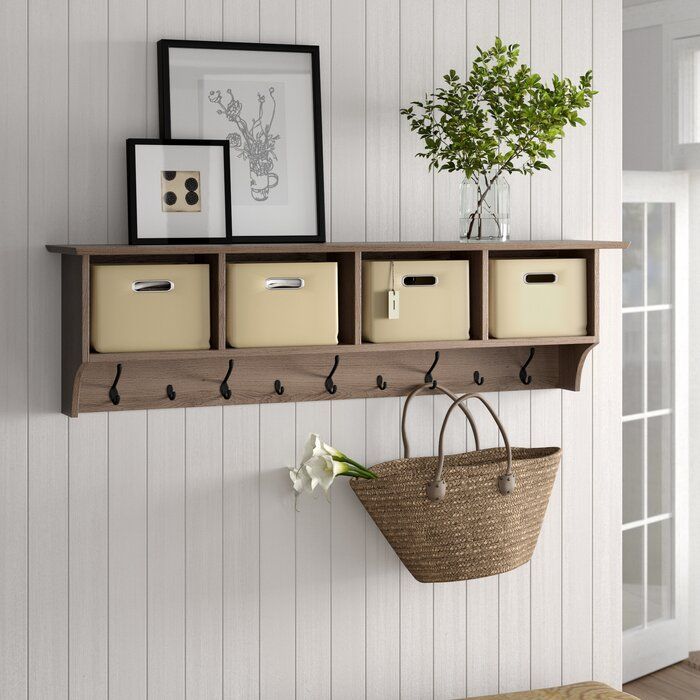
170,198
191,198
169,174
191,184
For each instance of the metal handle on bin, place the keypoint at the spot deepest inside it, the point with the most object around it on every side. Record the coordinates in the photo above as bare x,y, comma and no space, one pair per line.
284,283
153,286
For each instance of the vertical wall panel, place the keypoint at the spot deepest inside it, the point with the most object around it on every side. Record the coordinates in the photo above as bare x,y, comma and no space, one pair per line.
166,553
277,560
449,52
313,570
13,353
241,551
88,563
383,566
127,554
545,219
417,598
514,586
482,594
449,599
203,552
347,555
382,120
545,567
514,28
166,20
347,193
47,625
313,26
576,468
241,20
607,405
416,78
277,21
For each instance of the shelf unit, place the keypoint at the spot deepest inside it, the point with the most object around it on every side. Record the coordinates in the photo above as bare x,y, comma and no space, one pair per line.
196,376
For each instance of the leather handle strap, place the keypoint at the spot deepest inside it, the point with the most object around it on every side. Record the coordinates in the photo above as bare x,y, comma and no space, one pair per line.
419,390
437,488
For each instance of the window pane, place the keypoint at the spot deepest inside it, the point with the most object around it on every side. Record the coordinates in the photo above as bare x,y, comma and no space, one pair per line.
632,578
633,259
659,378
659,461
659,242
633,363
659,571
633,471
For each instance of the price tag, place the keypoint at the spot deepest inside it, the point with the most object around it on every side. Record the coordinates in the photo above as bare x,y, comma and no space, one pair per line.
393,304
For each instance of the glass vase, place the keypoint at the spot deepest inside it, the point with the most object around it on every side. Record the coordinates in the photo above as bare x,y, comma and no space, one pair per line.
484,210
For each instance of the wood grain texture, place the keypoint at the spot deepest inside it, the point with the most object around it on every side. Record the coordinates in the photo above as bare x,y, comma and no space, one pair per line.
47,434
14,355
677,682
142,384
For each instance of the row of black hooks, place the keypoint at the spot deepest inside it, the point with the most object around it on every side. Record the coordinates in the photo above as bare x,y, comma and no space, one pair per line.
330,386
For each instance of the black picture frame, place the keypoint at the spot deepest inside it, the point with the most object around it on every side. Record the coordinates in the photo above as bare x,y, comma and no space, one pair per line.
164,47
134,238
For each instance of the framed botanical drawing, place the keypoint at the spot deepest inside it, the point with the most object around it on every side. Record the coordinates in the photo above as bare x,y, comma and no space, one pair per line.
264,100
178,191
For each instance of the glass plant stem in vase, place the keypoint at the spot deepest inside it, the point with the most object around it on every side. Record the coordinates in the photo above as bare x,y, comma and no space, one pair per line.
484,210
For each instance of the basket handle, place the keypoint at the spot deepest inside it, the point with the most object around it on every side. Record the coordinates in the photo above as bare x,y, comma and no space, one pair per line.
506,482
419,390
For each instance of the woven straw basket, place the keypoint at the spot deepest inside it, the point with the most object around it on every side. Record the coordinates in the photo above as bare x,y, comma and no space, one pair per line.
463,516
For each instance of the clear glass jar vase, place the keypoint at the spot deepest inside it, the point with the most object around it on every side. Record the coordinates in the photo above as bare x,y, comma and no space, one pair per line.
484,209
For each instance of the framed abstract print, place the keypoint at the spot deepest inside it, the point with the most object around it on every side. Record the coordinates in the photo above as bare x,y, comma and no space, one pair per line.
264,100
178,191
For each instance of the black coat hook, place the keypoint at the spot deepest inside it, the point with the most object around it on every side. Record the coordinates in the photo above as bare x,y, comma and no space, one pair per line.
279,389
525,378
478,379
225,389
170,392
113,391
330,387
380,382
429,374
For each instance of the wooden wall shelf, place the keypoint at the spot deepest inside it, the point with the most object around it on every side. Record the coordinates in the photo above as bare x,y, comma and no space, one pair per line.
196,376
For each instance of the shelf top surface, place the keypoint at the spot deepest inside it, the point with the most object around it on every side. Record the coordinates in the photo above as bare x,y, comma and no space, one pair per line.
389,246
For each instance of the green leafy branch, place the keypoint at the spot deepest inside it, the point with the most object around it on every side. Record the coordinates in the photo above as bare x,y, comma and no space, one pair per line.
501,119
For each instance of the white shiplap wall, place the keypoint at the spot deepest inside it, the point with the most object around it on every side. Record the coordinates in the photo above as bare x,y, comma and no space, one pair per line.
159,553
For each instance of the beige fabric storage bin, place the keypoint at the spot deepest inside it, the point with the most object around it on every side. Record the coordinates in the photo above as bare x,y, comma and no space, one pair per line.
433,300
277,304
149,307
537,297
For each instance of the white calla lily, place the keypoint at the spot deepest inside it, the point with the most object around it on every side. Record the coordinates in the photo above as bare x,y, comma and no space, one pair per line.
300,480
321,463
